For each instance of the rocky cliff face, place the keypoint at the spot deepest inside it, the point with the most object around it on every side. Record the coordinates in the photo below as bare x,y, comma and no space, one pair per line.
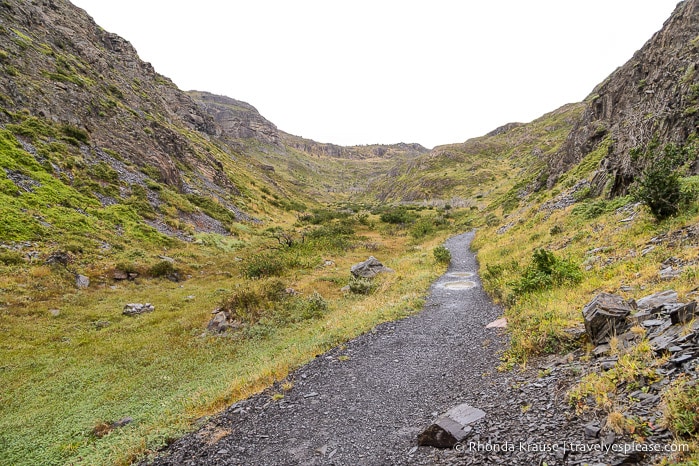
655,94
236,119
60,66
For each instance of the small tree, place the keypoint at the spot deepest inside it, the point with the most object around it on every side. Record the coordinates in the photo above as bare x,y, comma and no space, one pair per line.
659,186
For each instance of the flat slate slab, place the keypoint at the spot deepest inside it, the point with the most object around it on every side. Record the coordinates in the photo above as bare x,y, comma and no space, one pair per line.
451,428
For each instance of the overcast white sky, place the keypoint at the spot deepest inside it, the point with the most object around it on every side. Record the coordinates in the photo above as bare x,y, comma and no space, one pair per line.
386,71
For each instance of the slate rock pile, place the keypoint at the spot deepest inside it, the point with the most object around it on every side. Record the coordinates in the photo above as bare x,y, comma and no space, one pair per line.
539,425
670,326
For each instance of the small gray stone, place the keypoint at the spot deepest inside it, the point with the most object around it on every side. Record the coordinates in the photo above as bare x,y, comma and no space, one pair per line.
219,323
679,360
122,422
82,282
134,309
592,430
669,273
451,428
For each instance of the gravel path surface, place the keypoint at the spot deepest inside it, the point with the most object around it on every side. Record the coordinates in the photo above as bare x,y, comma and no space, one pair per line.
365,403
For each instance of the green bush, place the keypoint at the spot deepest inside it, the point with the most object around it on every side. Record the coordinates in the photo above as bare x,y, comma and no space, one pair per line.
11,258
423,227
104,172
360,285
164,269
682,408
74,133
546,271
397,216
590,210
250,304
263,265
320,216
659,186
312,307
442,255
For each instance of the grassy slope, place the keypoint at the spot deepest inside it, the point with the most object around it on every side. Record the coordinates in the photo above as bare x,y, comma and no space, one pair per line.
605,240
68,374
482,169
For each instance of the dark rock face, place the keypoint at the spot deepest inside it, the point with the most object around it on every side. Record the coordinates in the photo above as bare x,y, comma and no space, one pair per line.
68,70
653,94
236,119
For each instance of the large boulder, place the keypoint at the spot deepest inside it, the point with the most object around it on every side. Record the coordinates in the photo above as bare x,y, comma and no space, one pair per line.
605,316
369,268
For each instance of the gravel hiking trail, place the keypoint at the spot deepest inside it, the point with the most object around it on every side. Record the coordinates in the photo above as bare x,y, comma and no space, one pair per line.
365,404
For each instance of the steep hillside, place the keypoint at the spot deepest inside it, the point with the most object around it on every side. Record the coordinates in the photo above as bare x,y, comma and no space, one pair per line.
652,97
104,129
655,95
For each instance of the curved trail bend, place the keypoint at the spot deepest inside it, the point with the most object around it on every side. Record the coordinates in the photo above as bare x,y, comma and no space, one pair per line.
368,409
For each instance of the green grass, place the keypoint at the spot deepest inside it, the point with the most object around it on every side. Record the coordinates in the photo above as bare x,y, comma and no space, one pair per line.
65,375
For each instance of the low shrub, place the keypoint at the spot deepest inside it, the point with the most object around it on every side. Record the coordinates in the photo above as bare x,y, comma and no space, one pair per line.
263,265
397,216
320,216
681,411
423,227
251,303
556,230
659,186
164,269
11,258
360,285
442,255
547,271
312,307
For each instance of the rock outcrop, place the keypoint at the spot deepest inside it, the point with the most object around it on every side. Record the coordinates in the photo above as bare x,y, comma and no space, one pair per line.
65,68
655,94
369,268
135,309
236,119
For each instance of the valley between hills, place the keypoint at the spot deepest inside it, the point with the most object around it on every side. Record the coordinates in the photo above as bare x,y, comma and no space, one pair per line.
165,255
